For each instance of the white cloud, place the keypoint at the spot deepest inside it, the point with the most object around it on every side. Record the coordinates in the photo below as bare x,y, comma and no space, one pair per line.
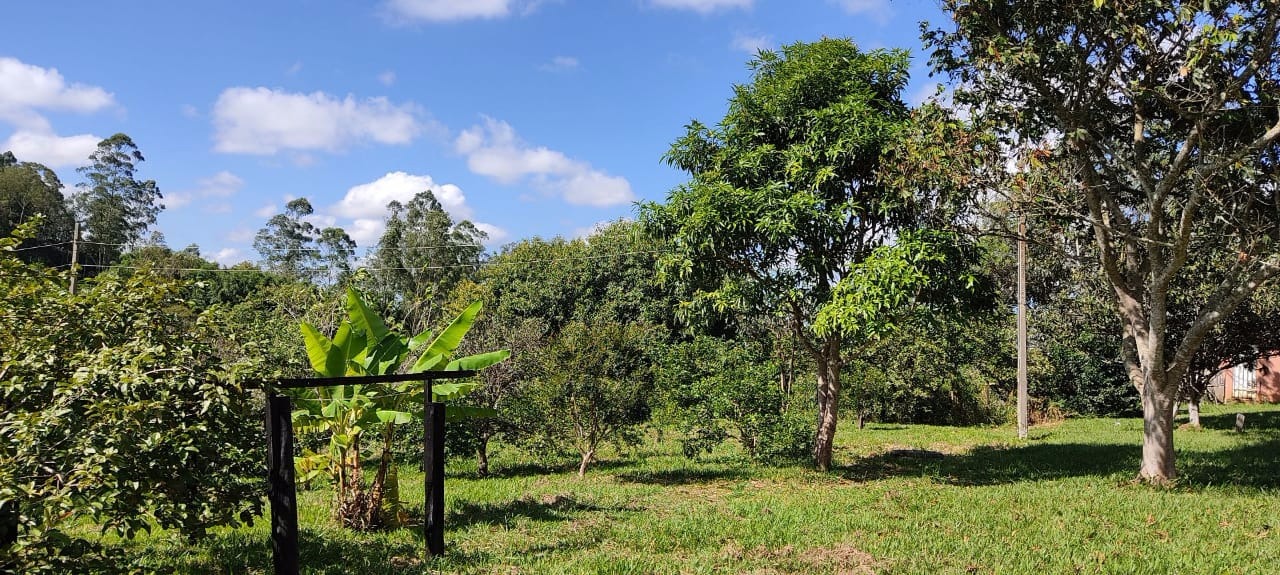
51,149
25,91
190,111
453,10
370,200
223,184
25,88
703,6
365,205
294,69
561,64
387,78
876,9
228,256
264,121
266,211
496,234
494,150
751,44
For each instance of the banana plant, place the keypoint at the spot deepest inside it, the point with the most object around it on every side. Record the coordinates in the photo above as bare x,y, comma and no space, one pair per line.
363,345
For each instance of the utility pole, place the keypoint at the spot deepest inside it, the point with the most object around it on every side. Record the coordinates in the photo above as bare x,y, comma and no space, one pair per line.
1022,326
75,238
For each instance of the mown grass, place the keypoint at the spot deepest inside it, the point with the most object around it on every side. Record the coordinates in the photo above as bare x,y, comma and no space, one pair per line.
1061,502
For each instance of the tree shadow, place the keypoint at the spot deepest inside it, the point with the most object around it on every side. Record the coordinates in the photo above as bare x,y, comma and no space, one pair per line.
544,508
685,476
1253,421
319,553
991,465
535,468
1248,466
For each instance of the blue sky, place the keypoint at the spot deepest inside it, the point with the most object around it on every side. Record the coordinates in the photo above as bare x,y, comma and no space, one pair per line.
529,117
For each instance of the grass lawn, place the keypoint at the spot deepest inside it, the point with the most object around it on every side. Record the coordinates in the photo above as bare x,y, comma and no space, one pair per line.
1061,502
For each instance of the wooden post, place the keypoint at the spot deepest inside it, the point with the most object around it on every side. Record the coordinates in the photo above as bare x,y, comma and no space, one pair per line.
433,472
8,524
75,239
1022,327
281,491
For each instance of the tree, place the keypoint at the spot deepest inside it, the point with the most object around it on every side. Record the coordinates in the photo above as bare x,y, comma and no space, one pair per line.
1166,112
594,388
27,189
422,254
116,411
784,198
115,207
285,242
295,248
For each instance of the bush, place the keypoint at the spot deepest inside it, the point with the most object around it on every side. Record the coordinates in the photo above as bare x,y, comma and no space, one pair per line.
114,410
716,390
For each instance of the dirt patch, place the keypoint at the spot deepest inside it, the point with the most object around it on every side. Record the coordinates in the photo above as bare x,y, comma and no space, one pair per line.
842,559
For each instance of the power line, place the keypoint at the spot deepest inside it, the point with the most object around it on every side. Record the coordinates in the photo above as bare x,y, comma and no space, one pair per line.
288,250
415,269
53,245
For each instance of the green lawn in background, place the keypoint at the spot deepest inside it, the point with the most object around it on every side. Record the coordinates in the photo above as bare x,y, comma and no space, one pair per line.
1061,502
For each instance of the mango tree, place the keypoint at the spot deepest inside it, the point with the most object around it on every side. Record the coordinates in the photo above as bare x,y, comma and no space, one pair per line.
784,197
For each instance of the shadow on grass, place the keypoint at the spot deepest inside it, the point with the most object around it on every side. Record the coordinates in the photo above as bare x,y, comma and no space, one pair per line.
545,508
991,465
320,551
685,476
1253,421
1250,466
534,468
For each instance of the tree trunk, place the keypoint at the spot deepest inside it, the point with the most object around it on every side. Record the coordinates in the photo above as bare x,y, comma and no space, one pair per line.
482,456
1193,409
586,458
828,403
1157,434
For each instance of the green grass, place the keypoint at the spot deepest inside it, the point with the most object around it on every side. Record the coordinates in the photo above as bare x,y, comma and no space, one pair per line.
1061,502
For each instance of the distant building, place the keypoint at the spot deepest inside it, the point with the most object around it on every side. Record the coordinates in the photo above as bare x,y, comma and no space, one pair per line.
1258,381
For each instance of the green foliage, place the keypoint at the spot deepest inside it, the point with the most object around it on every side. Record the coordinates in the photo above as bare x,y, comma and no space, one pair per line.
595,388
786,200
363,345
938,370
420,257
115,409
27,189
922,272
721,389
297,249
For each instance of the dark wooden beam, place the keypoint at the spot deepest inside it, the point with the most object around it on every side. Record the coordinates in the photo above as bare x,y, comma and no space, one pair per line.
433,471
303,382
281,491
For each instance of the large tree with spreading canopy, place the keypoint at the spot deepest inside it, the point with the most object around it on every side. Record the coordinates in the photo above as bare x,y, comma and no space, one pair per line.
1167,113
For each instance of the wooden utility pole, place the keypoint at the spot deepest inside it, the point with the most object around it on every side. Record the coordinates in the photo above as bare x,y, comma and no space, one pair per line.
75,239
1022,327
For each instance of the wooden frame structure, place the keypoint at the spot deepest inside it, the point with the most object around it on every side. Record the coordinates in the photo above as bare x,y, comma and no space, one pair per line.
282,491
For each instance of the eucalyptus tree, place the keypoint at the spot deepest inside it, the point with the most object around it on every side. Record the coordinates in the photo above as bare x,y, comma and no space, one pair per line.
784,198
114,205
297,249
1167,113
422,254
